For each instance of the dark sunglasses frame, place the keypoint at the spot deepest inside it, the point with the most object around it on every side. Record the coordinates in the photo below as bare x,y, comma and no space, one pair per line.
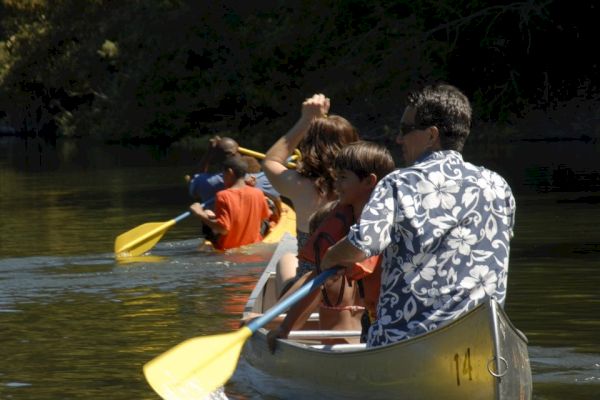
405,129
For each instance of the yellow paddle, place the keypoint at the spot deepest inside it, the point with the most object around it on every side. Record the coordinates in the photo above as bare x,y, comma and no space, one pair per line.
261,156
195,368
142,238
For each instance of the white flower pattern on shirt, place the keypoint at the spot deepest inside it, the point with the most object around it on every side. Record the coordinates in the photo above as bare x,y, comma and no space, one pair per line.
437,190
444,227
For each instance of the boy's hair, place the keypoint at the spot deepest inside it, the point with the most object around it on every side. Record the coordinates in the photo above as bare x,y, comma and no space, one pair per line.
445,107
318,216
237,165
253,164
364,158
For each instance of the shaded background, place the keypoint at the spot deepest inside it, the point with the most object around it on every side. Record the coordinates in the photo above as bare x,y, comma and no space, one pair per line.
168,72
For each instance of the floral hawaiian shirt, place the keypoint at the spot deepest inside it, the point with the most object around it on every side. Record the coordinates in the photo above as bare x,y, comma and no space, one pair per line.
444,227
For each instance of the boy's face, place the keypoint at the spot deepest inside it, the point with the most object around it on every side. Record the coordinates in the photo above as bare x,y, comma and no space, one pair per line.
351,189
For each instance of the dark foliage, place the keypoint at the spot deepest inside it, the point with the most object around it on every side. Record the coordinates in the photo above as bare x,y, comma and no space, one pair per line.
161,71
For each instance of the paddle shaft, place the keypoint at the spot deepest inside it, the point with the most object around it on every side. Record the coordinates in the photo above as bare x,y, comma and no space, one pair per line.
277,309
261,156
185,214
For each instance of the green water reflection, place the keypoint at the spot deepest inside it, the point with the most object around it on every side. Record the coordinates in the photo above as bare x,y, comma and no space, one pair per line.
47,210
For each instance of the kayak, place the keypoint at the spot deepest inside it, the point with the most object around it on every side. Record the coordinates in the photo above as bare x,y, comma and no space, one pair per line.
479,356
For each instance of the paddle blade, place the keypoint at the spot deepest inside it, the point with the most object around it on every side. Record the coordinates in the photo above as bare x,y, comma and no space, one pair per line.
195,368
140,239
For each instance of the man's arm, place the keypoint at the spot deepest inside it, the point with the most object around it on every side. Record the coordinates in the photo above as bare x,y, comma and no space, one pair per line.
208,154
215,226
342,253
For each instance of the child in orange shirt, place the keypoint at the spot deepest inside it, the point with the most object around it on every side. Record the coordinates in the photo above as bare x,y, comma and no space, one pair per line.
239,209
359,166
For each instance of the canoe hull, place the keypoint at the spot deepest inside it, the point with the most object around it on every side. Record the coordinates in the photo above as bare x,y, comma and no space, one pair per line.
479,356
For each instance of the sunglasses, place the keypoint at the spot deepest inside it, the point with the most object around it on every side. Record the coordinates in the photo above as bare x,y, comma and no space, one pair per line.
405,129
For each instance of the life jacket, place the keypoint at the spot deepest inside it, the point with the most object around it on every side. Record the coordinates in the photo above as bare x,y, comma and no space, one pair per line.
368,278
333,228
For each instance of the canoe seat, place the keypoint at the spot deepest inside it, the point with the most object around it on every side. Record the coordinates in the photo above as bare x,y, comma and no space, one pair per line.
313,317
339,347
297,335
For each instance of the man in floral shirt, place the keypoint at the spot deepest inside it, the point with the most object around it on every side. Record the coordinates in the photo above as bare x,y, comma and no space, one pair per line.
442,224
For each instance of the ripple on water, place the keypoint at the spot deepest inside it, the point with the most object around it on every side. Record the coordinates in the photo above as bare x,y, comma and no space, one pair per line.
564,365
17,384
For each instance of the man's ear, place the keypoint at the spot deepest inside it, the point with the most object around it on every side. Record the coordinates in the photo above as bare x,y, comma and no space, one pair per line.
434,137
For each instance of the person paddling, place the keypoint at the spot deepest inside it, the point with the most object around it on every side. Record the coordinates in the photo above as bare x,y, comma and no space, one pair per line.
319,137
204,185
239,209
359,166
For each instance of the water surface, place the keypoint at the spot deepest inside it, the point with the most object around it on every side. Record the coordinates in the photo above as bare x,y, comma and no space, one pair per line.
77,324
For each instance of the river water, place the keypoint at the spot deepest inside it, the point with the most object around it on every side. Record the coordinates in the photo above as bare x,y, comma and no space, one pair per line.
77,324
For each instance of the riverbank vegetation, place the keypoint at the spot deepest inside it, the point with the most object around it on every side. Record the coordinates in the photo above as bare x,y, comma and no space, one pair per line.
175,71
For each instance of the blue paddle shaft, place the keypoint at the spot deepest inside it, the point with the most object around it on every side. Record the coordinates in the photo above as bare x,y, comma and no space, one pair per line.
277,309
188,213
182,216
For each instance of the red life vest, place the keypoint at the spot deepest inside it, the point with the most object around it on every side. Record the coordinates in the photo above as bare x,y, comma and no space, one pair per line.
333,228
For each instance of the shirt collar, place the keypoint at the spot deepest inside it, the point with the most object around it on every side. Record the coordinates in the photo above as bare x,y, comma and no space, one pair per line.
438,155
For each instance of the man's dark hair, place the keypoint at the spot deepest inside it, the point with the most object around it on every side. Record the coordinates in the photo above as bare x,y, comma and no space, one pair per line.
226,147
237,165
445,107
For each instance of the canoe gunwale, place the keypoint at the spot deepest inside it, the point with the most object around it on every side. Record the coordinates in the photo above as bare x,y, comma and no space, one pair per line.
492,305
